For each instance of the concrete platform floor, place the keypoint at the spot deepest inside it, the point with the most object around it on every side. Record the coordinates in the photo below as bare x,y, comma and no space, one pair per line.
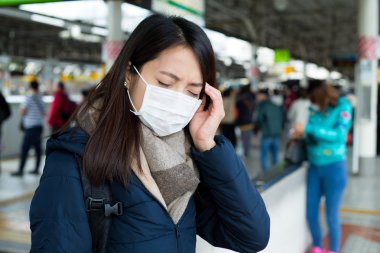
360,213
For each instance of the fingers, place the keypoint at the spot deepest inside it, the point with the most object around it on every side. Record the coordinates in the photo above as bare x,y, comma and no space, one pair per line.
203,104
216,99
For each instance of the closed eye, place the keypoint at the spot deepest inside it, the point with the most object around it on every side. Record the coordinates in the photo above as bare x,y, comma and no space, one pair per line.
196,95
164,84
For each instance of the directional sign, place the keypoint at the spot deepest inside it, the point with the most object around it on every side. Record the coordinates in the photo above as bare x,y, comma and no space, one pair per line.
18,2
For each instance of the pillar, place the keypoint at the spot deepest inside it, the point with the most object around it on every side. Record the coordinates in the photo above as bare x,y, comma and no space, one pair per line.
114,42
366,82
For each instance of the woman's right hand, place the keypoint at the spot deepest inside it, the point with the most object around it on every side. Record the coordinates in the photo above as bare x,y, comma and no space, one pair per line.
204,124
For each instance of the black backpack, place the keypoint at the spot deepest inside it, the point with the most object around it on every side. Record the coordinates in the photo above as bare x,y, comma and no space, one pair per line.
100,209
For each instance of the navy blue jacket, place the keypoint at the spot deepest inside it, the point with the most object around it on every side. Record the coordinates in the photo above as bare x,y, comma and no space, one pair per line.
232,214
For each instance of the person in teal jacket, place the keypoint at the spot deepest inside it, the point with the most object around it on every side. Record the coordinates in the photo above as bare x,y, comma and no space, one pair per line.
326,133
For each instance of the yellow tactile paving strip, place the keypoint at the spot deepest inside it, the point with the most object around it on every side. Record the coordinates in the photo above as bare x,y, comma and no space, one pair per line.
360,211
356,211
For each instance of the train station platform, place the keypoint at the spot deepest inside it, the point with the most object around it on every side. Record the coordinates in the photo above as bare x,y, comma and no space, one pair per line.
360,212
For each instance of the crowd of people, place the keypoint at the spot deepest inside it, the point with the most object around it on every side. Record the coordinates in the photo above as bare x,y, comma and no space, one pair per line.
319,120
269,115
265,114
34,114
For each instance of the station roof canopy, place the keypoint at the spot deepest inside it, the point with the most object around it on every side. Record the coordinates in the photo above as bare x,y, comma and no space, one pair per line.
319,31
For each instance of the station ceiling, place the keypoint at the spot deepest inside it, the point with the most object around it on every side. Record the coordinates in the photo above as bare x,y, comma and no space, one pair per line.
319,31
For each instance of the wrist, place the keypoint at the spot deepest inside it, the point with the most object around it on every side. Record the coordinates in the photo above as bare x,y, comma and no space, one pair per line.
203,146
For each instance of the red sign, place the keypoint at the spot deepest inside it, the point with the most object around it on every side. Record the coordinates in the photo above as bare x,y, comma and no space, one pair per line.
367,48
113,48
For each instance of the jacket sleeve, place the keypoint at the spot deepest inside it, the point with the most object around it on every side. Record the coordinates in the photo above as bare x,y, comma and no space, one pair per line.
335,134
230,211
58,219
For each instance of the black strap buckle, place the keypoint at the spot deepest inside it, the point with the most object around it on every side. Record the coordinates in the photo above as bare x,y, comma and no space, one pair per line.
93,204
116,209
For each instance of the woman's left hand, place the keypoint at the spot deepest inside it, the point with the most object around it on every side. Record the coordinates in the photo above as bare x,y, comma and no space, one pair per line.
204,124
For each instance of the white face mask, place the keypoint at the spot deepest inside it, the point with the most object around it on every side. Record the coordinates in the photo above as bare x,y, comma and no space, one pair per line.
165,111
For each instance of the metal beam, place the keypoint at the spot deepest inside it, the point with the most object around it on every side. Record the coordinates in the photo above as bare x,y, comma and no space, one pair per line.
236,14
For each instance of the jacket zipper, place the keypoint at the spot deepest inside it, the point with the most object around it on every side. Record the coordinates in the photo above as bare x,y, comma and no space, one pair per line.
179,249
176,226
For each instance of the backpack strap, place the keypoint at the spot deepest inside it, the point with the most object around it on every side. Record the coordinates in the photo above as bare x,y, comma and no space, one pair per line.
99,207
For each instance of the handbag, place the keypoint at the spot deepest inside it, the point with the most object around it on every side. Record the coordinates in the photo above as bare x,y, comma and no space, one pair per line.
296,151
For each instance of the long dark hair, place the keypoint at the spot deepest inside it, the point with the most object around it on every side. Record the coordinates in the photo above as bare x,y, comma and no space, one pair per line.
322,94
115,141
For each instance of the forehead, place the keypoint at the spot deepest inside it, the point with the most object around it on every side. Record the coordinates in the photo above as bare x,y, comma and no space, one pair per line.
181,61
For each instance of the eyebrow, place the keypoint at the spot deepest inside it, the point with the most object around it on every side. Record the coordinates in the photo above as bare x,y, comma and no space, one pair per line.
179,79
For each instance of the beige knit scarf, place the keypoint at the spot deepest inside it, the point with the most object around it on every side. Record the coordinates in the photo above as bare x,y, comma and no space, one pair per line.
170,165
172,168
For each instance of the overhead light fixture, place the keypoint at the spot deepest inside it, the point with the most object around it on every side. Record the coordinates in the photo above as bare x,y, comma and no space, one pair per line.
99,31
47,20
280,5
65,34
75,31
227,61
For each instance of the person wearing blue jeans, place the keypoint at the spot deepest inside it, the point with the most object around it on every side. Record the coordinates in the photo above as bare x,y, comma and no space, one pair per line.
269,144
270,121
326,132
321,181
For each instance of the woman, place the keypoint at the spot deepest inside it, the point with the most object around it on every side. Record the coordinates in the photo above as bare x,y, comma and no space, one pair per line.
133,132
329,122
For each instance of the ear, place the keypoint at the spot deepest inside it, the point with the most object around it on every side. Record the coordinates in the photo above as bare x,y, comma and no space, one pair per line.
128,76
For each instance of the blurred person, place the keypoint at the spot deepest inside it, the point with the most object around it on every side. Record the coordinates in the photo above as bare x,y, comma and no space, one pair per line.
32,113
326,131
295,152
148,132
86,93
270,121
291,96
61,108
277,98
229,121
5,110
299,110
245,105
5,113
